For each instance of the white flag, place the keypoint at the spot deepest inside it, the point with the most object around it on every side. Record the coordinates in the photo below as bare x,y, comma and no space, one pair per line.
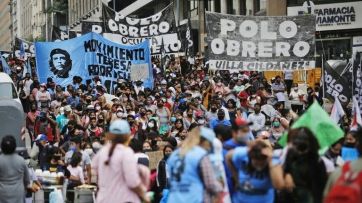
356,113
337,111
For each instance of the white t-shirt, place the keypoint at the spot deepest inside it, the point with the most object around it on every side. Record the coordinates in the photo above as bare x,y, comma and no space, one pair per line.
77,172
294,96
288,75
258,121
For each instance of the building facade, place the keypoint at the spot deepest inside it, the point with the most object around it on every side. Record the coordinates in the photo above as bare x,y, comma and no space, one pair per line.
5,29
83,10
338,26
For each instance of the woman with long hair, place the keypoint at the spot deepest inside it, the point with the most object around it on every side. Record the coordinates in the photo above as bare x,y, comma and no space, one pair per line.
192,178
305,171
119,178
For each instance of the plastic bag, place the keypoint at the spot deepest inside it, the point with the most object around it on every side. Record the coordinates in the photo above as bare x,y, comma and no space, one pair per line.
56,196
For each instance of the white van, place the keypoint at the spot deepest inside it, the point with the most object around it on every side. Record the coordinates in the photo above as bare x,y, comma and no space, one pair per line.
12,117
7,88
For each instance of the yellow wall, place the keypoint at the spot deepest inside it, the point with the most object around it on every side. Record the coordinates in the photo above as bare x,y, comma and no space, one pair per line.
313,76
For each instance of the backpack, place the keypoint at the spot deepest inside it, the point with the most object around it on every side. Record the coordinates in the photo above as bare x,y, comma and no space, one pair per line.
347,188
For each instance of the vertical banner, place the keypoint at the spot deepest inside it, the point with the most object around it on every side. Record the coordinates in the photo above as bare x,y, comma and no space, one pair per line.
335,85
260,43
23,49
88,56
185,33
357,78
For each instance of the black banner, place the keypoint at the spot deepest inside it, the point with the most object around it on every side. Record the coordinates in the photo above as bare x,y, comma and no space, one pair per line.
260,43
185,33
336,85
61,35
159,28
357,78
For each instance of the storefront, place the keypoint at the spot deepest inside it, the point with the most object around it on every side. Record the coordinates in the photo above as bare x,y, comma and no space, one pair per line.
338,29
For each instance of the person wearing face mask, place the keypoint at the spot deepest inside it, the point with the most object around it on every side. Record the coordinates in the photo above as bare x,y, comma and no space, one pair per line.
43,97
192,177
296,98
256,173
276,131
164,115
257,118
349,151
75,146
305,172
241,135
220,120
334,153
212,113
162,178
94,129
142,119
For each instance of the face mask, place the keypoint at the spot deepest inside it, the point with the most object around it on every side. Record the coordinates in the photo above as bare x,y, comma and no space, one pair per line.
72,148
295,88
213,109
167,156
276,124
142,114
119,114
201,121
89,151
350,145
173,119
42,89
151,125
147,150
182,137
33,109
98,108
221,117
189,115
159,105
100,120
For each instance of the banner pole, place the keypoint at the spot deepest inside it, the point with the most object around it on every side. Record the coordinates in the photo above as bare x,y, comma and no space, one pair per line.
323,75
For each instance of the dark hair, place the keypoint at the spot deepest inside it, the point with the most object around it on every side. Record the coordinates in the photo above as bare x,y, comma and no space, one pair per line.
308,165
359,141
172,141
76,159
255,152
167,146
119,139
67,66
223,131
135,145
8,144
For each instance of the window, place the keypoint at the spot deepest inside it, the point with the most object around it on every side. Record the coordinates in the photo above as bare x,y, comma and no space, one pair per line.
8,91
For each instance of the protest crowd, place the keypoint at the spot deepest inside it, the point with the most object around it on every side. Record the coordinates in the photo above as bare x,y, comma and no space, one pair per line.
197,136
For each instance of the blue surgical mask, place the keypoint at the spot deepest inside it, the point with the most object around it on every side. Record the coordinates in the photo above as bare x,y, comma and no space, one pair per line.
173,119
72,148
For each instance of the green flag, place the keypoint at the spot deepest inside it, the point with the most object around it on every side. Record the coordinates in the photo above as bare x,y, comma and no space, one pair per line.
318,121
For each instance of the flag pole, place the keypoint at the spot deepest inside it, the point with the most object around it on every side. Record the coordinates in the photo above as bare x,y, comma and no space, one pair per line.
323,76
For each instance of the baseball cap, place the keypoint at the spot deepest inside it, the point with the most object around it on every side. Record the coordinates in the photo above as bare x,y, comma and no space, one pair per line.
208,134
67,108
240,123
41,137
120,127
